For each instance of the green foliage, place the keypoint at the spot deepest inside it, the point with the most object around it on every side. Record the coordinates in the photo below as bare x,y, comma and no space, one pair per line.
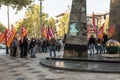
51,23
32,20
18,26
2,28
16,4
63,25
112,49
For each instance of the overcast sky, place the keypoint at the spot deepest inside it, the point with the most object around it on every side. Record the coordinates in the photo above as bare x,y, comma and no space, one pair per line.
53,8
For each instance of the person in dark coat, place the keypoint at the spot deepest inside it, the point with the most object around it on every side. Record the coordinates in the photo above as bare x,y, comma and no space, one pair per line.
21,48
92,43
99,46
25,46
52,47
32,48
14,45
105,39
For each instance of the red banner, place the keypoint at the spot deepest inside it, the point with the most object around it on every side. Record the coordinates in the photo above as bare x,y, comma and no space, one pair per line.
2,36
9,36
88,29
101,31
44,32
93,21
24,32
111,30
50,33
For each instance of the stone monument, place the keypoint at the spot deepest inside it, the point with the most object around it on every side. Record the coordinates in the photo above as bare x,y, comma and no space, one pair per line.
76,39
115,18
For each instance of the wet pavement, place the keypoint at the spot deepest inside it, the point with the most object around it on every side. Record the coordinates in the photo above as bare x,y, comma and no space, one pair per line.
30,69
105,63
87,66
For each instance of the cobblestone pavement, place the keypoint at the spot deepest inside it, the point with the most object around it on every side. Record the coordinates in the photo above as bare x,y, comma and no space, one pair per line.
30,69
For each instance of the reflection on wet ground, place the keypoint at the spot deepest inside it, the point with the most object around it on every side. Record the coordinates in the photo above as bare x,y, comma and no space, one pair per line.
82,65
95,57
94,63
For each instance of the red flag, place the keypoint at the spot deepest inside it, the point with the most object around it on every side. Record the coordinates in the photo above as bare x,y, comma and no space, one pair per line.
9,36
13,29
24,32
2,36
93,21
50,33
111,30
12,36
88,29
88,32
44,32
101,31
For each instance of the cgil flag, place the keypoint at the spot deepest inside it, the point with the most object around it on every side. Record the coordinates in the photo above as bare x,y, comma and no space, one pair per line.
50,33
101,31
12,35
88,29
24,32
111,31
93,22
106,24
2,36
9,36
88,32
44,32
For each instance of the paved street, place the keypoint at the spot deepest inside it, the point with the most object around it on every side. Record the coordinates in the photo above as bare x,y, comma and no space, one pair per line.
30,69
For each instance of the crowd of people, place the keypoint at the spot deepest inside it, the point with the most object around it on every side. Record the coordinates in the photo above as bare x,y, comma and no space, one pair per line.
24,47
97,45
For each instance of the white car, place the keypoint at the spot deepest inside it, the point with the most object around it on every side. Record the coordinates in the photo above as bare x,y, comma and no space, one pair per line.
2,46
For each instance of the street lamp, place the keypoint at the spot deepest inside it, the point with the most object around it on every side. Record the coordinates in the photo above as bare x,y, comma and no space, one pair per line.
41,17
8,15
7,48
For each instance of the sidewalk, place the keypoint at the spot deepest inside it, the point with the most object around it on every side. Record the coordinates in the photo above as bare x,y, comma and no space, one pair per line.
30,69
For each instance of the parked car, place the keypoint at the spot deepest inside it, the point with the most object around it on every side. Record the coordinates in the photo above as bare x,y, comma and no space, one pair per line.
2,46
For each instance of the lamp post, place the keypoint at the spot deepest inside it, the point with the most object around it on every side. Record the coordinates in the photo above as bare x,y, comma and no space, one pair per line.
8,15
7,48
41,18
